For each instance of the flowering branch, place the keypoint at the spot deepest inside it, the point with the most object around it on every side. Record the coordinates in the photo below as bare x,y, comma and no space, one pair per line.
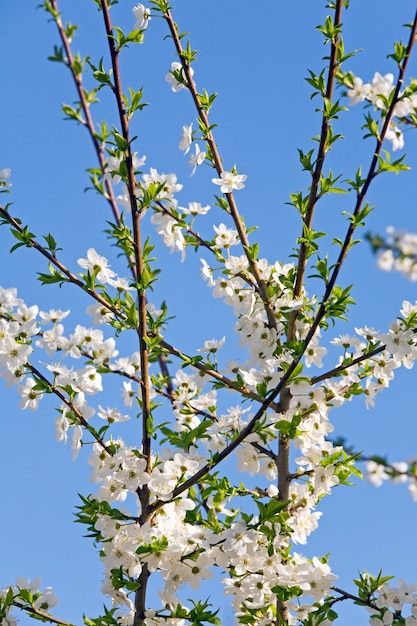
76,72
203,243
143,493
345,366
72,278
41,615
29,240
358,212
345,595
217,162
82,421
324,146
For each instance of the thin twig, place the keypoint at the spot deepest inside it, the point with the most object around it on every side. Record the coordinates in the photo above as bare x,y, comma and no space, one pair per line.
321,153
32,610
69,276
98,147
342,368
349,596
206,245
82,421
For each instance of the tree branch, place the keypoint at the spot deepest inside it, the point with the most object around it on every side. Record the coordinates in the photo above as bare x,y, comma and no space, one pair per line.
98,147
143,493
234,212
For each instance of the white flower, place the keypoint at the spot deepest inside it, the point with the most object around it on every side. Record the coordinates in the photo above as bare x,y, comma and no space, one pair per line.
314,353
229,181
32,585
381,86
127,393
375,473
168,181
113,166
195,208
76,442
359,91
248,459
53,315
111,415
395,135
237,264
121,284
196,159
47,600
4,177
162,485
99,313
61,429
272,491
212,345
385,261
171,232
177,85
30,398
95,262
226,237
404,107
207,273
142,16
186,138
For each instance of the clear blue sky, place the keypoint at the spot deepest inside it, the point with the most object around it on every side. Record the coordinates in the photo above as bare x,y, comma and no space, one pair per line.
255,56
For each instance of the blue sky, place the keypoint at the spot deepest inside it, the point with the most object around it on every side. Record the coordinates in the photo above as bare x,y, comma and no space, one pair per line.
256,59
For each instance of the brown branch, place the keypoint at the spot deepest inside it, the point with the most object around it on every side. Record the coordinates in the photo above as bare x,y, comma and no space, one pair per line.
318,168
349,596
98,147
205,244
83,422
341,368
143,493
227,382
41,614
284,441
283,444
72,278
234,212
119,314
361,194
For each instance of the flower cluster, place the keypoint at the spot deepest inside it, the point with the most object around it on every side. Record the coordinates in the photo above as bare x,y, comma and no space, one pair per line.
391,603
176,77
398,252
26,593
378,92
378,471
186,140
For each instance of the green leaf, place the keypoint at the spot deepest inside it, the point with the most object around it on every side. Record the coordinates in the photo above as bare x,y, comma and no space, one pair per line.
385,165
24,237
305,160
58,55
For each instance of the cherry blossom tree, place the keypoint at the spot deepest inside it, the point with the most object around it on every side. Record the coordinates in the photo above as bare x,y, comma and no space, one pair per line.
223,466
